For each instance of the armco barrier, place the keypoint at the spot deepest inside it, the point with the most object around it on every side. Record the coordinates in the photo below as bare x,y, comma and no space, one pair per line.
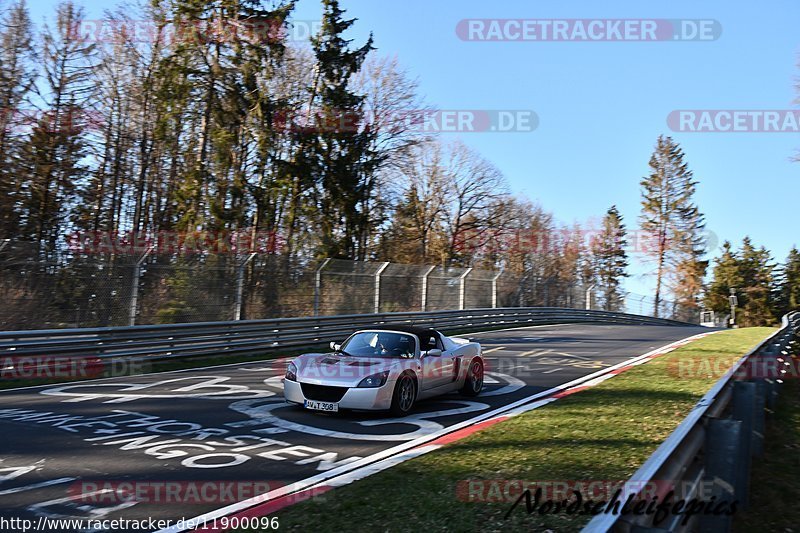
174,341
711,450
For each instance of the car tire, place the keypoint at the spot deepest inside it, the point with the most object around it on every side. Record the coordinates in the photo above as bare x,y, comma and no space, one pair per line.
473,382
405,394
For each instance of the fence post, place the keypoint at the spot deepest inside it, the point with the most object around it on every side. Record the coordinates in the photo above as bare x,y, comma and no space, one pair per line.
425,287
378,286
462,295
589,290
318,284
137,274
237,305
494,289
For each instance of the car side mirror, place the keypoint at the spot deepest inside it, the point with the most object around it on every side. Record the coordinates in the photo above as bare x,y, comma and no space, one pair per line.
335,347
434,353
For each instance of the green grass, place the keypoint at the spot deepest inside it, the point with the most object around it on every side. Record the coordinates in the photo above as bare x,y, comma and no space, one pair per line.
604,433
775,481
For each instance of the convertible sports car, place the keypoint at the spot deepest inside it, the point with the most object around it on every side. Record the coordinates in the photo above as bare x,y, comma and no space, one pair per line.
386,368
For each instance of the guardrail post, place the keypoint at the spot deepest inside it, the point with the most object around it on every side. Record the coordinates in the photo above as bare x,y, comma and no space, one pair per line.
759,421
378,286
772,392
462,294
237,304
723,442
744,406
318,285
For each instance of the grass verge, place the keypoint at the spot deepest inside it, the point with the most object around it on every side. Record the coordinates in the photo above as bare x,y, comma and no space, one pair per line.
775,480
604,433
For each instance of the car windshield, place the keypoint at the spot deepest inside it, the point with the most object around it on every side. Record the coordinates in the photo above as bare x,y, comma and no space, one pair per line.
380,344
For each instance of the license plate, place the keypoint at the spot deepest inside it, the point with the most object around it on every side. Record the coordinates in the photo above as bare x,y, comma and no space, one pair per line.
321,406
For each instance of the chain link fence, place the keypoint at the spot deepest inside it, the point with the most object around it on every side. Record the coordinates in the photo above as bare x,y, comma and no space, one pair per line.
149,288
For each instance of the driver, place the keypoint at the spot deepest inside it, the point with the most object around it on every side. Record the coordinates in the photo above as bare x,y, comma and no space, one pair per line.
387,343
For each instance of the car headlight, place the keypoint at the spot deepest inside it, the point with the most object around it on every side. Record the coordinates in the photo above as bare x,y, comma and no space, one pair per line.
291,372
375,380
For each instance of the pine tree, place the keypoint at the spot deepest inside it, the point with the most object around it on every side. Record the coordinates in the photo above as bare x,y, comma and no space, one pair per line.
215,94
54,153
791,282
339,159
670,219
726,275
610,260
16,80
751,274
758,273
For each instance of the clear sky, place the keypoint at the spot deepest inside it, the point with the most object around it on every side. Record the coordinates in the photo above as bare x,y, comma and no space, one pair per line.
601,105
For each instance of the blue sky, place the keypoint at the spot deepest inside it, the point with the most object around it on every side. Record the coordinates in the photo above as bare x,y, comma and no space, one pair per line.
601,105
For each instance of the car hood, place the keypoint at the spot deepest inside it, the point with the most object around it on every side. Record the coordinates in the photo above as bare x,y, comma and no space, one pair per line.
345,371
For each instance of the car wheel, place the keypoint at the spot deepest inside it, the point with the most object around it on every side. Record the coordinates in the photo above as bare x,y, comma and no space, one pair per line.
473,384
405,393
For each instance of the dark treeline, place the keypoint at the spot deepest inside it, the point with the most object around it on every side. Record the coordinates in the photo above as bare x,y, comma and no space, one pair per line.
764,290
183,117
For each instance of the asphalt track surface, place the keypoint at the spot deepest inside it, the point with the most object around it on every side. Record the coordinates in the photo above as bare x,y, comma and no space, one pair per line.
215,436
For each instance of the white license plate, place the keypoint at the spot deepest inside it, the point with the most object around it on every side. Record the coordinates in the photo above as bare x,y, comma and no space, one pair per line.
321,406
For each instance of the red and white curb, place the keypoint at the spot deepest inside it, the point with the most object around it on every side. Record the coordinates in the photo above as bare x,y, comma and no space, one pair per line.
270,502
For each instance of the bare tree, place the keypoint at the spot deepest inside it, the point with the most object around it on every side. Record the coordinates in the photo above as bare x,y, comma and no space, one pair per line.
474,188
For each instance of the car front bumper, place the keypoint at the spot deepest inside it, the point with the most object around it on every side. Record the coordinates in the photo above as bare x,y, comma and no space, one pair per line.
368,399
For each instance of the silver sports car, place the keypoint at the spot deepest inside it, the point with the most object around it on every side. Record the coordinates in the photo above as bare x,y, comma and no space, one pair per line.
386,368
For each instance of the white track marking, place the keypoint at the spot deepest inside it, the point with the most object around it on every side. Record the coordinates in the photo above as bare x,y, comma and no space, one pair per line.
263,415
16,471
213,387
35,486
513,385
263,412
490,350
94,512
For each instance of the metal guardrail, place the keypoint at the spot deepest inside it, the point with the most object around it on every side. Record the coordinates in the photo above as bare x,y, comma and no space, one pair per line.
174,341
709,454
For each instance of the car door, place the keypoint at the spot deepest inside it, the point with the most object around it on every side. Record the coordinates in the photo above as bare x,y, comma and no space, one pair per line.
438,370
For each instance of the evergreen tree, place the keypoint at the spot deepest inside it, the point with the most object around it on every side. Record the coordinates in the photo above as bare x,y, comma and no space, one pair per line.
338,158
751,273
670,219
17,75
758,272
53,155
610,260
215,85
790,282
725,276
